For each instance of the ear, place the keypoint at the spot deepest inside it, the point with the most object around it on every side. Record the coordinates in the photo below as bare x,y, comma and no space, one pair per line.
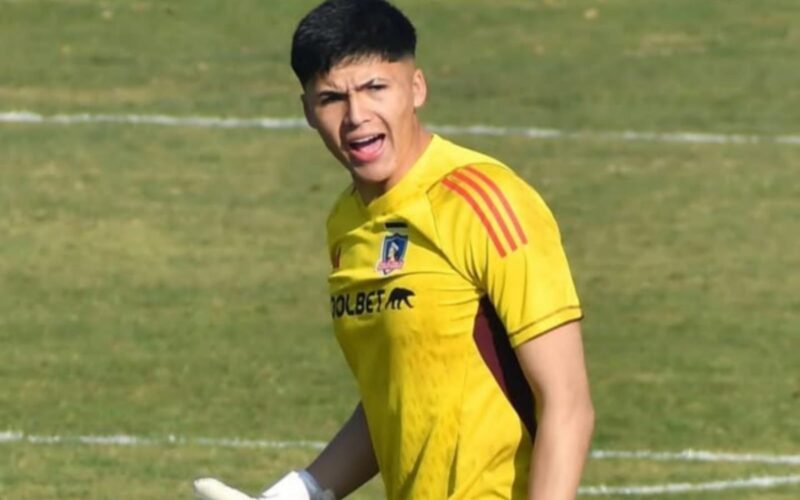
309,114
420,88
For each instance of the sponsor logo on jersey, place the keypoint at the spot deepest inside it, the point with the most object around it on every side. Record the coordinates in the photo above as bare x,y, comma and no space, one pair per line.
399,298
370,302
393,253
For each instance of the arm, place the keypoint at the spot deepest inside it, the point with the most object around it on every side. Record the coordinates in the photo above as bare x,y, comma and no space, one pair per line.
345,464
554,366
349,460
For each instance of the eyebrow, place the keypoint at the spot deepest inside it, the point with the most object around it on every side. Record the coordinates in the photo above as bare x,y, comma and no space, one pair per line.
372,81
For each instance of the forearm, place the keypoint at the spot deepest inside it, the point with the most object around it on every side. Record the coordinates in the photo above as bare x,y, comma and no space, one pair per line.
559,453
348,461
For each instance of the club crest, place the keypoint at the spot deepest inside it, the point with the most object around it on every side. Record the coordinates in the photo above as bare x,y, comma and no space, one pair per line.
393,253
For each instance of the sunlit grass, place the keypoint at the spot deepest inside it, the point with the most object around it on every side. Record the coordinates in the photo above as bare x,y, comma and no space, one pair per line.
158,281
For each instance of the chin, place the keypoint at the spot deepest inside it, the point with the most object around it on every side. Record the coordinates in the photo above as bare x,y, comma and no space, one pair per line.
375,180
372,174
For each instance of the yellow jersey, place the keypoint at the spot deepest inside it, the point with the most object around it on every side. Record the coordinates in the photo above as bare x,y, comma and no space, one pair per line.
433,285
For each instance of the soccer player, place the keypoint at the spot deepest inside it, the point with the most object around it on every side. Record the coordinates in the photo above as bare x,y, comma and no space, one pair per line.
450,293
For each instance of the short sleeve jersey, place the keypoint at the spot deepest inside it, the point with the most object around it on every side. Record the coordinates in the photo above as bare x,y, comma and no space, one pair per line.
432,286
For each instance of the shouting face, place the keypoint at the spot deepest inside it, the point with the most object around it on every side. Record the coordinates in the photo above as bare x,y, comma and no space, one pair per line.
365,112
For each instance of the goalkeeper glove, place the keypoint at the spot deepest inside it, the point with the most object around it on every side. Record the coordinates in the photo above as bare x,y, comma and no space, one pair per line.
297,485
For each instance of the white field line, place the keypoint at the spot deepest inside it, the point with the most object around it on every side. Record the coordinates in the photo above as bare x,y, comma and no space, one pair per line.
674,488
7,437
24,117
697,456
128,440
27,117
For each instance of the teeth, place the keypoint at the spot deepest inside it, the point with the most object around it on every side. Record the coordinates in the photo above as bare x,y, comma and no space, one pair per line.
361,142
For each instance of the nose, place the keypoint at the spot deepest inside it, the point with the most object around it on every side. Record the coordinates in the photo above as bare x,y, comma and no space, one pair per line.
356,111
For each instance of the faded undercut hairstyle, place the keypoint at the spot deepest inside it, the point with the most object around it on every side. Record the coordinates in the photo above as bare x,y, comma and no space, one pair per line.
340,30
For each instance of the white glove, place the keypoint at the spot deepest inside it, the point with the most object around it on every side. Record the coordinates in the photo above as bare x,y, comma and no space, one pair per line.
298,485
208,488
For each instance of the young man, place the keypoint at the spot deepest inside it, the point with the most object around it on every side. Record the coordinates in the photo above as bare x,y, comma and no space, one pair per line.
451,296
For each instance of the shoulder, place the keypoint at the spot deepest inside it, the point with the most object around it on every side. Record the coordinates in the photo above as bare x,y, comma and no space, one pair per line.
489,204
482,175
485,187
455,155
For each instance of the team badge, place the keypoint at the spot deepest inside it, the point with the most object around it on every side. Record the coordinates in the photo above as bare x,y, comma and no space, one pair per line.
393,253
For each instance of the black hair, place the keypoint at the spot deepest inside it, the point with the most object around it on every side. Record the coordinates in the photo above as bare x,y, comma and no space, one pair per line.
340,30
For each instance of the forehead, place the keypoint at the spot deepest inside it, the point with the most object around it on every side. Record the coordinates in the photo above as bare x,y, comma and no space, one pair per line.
357,71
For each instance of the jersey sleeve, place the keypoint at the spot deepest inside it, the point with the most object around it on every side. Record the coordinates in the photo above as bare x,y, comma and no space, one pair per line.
501,235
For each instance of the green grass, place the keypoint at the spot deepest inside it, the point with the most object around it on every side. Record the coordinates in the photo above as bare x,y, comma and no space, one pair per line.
656,65
158,281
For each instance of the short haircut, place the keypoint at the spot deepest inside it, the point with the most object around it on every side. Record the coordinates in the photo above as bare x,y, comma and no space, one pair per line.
340,30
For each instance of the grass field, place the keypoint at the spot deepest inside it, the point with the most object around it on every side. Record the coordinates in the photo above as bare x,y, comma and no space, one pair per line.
159,281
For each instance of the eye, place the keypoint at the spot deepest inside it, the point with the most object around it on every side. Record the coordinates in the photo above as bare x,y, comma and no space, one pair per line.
330,97
374,87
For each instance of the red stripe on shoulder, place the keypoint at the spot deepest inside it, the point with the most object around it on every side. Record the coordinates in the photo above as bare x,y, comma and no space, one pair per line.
478,211
489,203
503,200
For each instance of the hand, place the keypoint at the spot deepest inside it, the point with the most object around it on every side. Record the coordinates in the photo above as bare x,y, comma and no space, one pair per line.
208,488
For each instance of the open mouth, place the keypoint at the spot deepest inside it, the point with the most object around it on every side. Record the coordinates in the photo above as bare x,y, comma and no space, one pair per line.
367,149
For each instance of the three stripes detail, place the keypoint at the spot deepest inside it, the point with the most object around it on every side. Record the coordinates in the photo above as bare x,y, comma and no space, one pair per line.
468,182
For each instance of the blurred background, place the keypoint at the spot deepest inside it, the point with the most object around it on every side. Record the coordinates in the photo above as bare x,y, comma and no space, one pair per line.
167,283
